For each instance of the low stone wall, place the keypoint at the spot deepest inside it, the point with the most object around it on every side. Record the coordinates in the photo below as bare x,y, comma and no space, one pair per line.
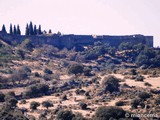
69,41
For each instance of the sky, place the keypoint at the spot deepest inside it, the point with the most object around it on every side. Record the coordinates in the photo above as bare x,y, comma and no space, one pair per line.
94,17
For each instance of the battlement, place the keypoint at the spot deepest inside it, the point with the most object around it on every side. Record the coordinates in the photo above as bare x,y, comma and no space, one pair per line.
71,40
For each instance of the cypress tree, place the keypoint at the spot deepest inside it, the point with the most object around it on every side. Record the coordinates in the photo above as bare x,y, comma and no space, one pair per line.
50,31
4,29
35,30
39,30
14,30
27,30
10,30
18,30
31,32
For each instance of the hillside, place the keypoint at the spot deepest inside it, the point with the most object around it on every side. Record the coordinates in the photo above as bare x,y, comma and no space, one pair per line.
86,82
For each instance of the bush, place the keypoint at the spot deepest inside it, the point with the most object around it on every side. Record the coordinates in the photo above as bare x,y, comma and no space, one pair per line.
34,105
119,103
47,104
75,69
147,84
157,100
105,113
64,115
48,71
36,90
111,84
83,105
135,102
139,78
64,97
2,97
133,72
144,95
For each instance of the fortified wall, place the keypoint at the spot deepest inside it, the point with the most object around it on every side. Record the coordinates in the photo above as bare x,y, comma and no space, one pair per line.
71,40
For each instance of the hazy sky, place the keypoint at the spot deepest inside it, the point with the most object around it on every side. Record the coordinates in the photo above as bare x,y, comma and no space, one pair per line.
109,17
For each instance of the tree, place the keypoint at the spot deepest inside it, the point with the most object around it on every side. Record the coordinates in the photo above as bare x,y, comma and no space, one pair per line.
35,30
27,30
18,30
10,30
47,104
50,31
4,29
39,30
34,105
111,84
31,32
14,30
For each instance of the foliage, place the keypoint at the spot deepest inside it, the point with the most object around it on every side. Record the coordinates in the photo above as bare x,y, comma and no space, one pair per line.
36,90
106,113
65,115
27,45
144,95
135,102
83,105
47,104
34,105
48,71
75,69
110,84
2,97
125,46
157,100
119,103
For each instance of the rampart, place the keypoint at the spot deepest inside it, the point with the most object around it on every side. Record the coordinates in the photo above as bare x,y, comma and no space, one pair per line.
71,40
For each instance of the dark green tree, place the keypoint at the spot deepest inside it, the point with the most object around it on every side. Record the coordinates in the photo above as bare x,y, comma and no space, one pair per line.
14,30
10,30
27,30
4,29
39,30
50,31
18,30
31,32
35,30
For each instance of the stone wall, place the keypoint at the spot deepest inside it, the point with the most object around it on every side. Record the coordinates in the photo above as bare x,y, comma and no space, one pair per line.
71,40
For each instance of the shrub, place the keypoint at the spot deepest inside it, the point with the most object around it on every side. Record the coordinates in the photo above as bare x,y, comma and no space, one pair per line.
147,84
157,100
139,78
75,69
48,71
2,97
111,84
133,72
12,102
144,95
83,105
34,105
135,102
105,113
64,115
47,104
36,90
64,97
119,103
